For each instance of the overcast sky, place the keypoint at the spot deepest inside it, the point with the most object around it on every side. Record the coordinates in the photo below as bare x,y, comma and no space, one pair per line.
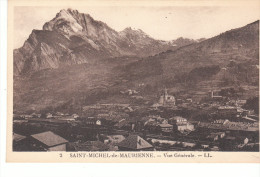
166,23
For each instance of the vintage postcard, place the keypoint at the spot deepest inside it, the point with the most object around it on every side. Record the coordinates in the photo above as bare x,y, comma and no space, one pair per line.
133,81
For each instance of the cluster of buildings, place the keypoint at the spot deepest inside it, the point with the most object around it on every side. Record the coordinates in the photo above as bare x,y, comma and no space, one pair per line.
228,125
49,141
167,125
123,127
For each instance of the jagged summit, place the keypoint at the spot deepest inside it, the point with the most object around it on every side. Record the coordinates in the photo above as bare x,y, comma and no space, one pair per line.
72,37
135,35
127,29
130,29
62,19
71,21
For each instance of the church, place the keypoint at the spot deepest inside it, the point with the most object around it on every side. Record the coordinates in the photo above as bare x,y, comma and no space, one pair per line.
166,99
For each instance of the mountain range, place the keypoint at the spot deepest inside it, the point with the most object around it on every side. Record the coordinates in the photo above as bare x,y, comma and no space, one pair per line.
75,38
75,60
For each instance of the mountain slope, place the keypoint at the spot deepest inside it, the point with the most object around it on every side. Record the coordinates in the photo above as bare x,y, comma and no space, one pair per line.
189,66
74,38
227,60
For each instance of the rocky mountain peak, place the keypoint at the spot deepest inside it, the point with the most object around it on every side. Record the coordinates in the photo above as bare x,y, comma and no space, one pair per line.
63,22
70,22
134,34
130,30
72,38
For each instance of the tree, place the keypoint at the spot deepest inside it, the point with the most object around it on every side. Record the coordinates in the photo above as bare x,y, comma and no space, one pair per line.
252,103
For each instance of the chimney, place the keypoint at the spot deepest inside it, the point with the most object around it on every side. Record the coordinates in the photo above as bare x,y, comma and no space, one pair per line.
139,142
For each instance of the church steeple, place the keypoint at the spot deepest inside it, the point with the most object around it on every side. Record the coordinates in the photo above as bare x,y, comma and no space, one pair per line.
165,92
166,100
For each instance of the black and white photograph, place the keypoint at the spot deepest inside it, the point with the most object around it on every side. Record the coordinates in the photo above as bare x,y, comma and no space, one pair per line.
137,78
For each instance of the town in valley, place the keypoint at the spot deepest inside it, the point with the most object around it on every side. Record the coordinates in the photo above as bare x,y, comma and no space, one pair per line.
220,124
81,86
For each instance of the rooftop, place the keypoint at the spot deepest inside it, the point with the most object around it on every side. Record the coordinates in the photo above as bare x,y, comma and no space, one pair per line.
117,138
178,118
17,137
49,138
226,107
134,142
165,125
